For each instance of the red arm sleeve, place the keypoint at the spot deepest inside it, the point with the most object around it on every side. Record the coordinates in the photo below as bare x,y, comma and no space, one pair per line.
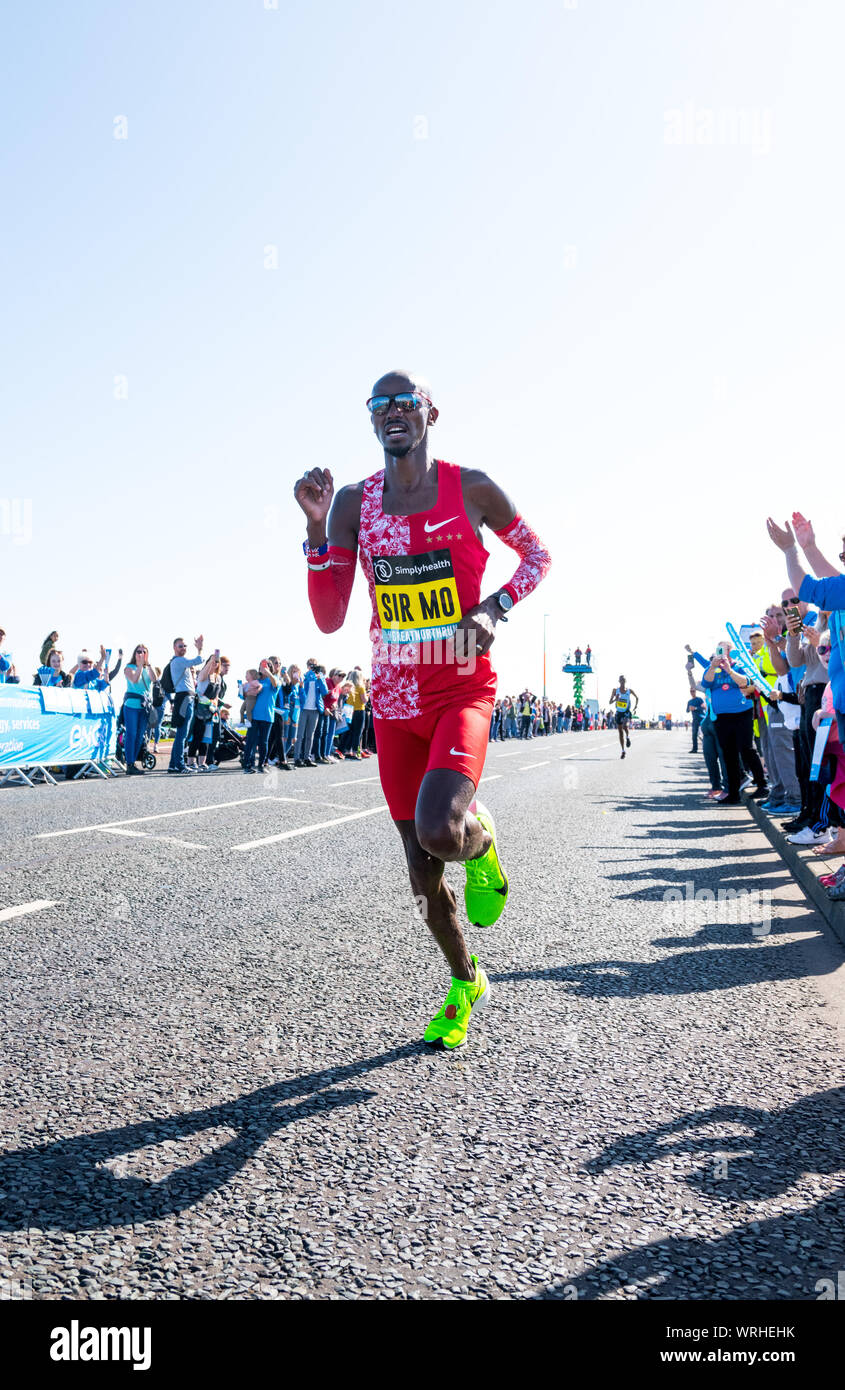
534,559
330,579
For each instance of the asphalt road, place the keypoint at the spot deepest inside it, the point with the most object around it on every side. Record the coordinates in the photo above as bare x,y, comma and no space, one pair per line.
214,1085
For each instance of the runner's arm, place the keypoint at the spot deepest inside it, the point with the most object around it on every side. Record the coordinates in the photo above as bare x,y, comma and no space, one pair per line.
330,576
499,513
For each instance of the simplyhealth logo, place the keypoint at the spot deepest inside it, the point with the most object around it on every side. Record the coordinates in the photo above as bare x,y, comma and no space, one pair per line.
77,1343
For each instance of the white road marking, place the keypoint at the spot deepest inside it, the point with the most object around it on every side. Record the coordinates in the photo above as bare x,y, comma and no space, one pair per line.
493,777
528,766
307,829
353,781
7,913
164,815
160,839
607,744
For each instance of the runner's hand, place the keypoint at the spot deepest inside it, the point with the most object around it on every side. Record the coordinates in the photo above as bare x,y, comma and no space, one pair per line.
784,540
481,621
314,492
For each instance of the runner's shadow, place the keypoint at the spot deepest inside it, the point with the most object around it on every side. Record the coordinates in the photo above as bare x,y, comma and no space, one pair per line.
66,1185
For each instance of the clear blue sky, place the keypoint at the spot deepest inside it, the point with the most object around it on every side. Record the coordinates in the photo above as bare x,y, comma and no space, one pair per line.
637,332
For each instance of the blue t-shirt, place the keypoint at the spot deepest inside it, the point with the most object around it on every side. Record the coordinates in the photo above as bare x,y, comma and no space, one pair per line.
265,702
725,696
696,704
830,595
5,667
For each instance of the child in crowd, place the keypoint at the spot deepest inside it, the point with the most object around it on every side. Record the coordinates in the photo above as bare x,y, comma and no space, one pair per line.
251,689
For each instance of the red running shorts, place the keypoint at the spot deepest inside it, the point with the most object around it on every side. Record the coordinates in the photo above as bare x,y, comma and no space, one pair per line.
454,735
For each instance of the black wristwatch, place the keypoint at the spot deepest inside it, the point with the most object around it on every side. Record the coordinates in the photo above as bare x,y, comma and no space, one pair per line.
505,602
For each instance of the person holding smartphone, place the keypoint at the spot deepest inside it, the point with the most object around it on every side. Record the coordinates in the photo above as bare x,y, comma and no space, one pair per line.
728,689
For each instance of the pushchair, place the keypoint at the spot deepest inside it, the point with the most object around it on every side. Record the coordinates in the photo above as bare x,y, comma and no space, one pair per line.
145,757
230,745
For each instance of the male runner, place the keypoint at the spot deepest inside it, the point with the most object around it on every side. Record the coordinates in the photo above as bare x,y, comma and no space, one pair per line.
620,698
416,526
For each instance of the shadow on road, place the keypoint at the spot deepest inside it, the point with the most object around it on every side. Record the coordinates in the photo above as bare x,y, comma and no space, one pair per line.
685,972
782,1257
66,1186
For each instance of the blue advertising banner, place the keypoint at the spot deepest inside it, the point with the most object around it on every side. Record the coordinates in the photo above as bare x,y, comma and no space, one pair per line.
40,725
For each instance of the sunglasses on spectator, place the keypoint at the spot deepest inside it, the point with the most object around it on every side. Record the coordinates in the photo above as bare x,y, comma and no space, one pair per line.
825,650
405,400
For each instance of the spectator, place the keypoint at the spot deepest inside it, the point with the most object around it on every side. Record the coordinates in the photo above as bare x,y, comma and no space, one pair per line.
86,673
734,712
713,757
290,695
359,705
323,720
47,646
51,673
779,718
276,745
183,681
807,650
136,707
158,702
206,714
697,708
263,713
5,661
311,699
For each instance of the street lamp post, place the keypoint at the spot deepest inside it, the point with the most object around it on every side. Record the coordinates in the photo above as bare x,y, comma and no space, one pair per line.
545,616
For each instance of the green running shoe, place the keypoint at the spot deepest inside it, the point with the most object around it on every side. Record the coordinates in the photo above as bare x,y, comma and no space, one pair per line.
486,888
448,1029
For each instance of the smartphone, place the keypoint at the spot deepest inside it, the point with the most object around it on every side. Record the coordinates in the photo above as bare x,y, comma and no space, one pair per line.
793,612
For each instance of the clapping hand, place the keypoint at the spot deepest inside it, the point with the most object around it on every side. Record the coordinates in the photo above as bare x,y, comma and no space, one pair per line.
783,539
804,533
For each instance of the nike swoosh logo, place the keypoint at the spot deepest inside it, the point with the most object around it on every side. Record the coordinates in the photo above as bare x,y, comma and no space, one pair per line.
459,753
435,526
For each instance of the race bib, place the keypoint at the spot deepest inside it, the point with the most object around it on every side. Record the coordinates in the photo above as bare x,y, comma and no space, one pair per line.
416,596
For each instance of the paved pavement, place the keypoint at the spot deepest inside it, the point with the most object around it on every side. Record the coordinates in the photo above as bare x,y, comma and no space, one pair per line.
214,1085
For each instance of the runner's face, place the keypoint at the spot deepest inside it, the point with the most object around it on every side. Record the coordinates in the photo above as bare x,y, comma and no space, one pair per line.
400,431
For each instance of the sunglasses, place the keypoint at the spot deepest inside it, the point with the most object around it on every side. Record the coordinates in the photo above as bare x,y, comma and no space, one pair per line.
405,400
824,651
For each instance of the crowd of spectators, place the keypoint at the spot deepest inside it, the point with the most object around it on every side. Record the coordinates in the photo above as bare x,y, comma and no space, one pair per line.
293,718
761,734
533,716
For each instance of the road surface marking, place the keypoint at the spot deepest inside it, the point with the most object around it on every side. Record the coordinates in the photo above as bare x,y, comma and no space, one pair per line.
164,815
353,781
159,839
492,777
7,913
527,766
307,829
